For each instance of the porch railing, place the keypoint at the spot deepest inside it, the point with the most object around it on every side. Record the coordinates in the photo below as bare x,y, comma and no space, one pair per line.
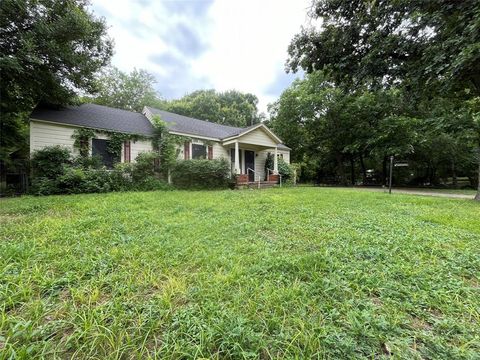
273,171
254,174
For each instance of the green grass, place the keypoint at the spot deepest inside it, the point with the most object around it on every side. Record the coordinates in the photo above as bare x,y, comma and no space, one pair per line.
279,273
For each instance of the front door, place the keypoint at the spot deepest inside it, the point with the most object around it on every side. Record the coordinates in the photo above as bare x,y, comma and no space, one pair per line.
250,164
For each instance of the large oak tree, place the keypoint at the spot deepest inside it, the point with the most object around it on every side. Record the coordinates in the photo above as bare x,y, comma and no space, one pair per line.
49,51
430,48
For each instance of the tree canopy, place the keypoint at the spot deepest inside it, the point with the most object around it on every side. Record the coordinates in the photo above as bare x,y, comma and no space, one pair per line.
388,42
429,51
228,108
134,90
49,50
129,91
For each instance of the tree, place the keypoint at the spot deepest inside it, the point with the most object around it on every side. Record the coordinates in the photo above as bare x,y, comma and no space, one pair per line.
48,51
228,108
129,91
429,48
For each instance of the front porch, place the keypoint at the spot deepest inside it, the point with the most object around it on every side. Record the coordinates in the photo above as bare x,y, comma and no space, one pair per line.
248,164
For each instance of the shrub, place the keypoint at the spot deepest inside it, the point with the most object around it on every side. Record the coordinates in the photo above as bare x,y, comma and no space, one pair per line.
285,170
43,186
269,164
121,177
50,162
72,181
201,174
151,183
98,180
56,173
145,165
93,162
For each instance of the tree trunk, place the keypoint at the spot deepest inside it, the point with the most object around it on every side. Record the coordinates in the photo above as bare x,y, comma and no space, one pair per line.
477,197
364,171
384,171
454,174
341,170
3,177
352,170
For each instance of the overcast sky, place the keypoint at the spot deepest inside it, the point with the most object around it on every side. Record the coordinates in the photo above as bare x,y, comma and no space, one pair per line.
201,44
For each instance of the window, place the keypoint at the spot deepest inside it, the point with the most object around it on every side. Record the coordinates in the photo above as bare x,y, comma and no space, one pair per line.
199,151
99,149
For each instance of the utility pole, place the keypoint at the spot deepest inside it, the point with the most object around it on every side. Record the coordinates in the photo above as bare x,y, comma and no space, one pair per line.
390,177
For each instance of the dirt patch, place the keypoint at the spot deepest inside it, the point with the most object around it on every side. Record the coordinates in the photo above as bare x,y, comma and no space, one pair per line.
472,282
419,324
376,301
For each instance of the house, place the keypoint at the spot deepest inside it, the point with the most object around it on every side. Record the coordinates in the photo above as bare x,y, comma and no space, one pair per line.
246,148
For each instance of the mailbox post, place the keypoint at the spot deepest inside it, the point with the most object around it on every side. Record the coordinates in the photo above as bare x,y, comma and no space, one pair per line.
390,177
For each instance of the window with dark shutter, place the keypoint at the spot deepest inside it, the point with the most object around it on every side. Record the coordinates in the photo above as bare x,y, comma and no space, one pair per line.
186,150
84,147
199,151
100,150
126,151
210,152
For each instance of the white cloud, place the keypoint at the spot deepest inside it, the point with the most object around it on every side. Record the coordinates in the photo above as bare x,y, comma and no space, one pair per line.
242,44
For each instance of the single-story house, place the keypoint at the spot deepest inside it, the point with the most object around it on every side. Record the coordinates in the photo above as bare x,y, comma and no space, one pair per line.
246,148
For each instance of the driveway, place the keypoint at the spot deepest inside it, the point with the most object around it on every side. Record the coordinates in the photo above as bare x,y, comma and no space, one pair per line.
418,192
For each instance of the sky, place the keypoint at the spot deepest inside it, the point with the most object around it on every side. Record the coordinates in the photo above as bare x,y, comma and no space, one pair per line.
203,44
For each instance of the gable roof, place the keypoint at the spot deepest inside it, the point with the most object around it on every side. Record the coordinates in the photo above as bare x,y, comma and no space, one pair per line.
191,126
97,117
107,118
254,127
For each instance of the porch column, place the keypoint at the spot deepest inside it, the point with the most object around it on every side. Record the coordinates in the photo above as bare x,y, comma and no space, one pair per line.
275,161
237,159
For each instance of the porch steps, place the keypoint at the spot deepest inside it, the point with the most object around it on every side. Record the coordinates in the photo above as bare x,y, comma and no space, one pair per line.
263,184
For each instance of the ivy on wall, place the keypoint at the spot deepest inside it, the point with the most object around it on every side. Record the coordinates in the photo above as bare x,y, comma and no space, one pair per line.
82,138
164,143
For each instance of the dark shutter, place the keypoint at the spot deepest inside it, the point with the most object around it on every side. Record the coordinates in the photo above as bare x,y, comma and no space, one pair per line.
126,151
210,152
84,147
186,150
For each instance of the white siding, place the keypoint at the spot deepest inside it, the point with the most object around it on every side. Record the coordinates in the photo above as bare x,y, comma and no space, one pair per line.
48,134
285,154
257,137
262,157
180,155
220,152
260,163
137,147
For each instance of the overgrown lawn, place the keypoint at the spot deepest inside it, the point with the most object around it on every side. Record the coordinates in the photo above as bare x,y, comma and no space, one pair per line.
279,273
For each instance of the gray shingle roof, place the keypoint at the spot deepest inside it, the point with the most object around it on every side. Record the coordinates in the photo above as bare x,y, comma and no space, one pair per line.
107,118
188,125
283,147
98,117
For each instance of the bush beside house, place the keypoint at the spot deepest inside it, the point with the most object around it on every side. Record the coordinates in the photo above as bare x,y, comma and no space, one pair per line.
56,171
202,174
288,172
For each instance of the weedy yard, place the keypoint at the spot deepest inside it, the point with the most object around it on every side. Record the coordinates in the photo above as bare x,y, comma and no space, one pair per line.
280,273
